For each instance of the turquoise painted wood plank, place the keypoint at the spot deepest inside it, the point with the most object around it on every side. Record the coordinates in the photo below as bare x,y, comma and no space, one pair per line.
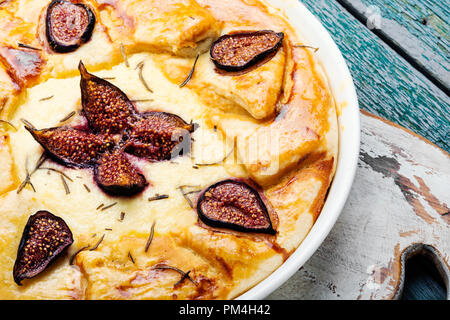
419,30
387,84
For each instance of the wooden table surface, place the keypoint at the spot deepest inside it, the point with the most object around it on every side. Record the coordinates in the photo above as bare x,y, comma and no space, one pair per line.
401,70
398,53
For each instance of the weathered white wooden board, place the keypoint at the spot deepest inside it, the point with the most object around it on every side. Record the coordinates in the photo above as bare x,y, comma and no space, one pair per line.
398,206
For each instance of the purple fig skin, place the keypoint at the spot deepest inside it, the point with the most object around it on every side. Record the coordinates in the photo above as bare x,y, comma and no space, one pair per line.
236,206
44,239
106,107
242,50
71,147
117,176
59,45
156,136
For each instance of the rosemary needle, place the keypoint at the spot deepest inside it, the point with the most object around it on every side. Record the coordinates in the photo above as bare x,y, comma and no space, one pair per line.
72,258
122,51
191,73
150,237
98,243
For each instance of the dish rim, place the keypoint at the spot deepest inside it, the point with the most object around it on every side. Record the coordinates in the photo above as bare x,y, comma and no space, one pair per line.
342,86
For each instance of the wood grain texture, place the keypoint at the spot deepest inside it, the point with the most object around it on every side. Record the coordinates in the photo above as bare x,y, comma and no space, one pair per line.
399,201
423,281
419,30
387,85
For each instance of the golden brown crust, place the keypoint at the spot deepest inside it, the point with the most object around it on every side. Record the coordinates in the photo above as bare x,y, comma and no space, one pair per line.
299,129
181,27
282,106
25,32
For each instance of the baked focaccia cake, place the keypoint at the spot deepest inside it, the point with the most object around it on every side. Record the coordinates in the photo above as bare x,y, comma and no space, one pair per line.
177,149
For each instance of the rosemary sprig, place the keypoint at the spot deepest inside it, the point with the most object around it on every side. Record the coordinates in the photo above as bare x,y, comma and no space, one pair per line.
24,184
158,197
87,188
122,51
40,162
23,45
216,163
32,186
122,216
27,180
131,257
70,115
191,73
150,237
100,206
140,66
72,258
57,171
184,275
28,124
9,124
186,194
307,47
66,187
109,206
98,243
46,98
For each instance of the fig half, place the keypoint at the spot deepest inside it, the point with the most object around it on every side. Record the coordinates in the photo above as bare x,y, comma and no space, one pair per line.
157,135
117,176
106,107
44,239
72,147
234,205
242,50
68,25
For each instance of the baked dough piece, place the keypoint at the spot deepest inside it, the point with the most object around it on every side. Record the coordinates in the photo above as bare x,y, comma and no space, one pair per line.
305,124
256,91
26,59
217,265
14,30
299,197
259,90
30,15
180,27
290,85
20,67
